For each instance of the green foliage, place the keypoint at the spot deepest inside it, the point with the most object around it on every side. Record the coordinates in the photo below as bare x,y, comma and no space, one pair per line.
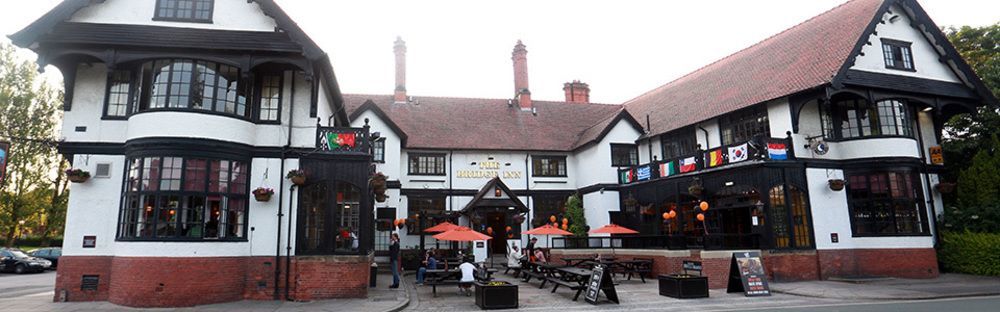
28,117
574,212
979,184
971,253
966,134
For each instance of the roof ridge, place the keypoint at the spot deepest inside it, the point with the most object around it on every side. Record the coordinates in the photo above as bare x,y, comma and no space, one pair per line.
758,43
481,98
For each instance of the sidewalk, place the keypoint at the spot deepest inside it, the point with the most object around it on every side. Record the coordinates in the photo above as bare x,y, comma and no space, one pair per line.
380,299
945,286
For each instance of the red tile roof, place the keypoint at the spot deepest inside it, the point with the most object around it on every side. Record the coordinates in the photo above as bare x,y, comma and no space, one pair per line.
491,124
800,58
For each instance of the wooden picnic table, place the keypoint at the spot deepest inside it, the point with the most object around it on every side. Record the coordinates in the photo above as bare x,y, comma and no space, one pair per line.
575,261
451,276
573,278
639,267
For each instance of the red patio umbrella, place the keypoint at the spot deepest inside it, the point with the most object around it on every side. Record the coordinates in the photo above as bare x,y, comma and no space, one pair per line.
462,234
547,230
613,229
441,227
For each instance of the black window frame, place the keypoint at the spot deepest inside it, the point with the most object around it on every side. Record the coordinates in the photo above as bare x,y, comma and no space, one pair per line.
424,207
414,162
632,151
893,49
743,125
858,204
135,175
678,143
158,15
258,98
378,150
538,170
886,118
114,76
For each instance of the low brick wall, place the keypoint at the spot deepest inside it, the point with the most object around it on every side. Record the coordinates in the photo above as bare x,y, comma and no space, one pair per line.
184,282
905,263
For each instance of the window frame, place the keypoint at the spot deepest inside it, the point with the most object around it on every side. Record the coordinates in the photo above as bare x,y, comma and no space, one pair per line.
411,157
413,225
915,186
378,145
677,141
536,166
131,95
890,47
183,193
832,119
633,154
258,97
742,121
209,20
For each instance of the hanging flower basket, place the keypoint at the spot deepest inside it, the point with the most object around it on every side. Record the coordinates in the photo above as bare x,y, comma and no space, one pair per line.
297,176
837,184
77,175
518,219
378,185
263,194
945,187
696,189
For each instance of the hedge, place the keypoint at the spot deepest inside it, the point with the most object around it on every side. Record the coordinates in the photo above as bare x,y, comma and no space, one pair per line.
37,241
971,253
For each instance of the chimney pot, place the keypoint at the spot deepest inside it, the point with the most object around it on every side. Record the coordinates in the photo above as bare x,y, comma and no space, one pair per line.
577,92
521,91
399,47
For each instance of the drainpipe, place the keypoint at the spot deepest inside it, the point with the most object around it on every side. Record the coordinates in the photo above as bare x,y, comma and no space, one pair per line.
527,188
649,140
706,136
288,146
277,242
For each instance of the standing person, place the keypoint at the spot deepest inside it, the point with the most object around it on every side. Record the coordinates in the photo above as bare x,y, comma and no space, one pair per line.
531,249
394,259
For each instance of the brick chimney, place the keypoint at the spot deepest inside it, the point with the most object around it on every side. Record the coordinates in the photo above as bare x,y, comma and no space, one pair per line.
400,49
577,92
520,57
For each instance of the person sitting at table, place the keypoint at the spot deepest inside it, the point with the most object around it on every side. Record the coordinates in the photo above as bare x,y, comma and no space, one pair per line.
540,256
429,263
514,257
468,276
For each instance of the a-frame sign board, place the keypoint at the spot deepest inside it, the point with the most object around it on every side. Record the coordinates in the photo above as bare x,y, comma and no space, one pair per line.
600,280
746,275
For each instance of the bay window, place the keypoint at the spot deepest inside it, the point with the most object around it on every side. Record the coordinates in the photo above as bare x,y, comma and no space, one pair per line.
855,117
885,203
179,198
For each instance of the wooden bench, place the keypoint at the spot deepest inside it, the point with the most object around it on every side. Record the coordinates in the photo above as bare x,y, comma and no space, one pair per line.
434,284
571,285
640,267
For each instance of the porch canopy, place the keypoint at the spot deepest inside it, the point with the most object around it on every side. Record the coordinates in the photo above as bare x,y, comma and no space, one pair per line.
495,196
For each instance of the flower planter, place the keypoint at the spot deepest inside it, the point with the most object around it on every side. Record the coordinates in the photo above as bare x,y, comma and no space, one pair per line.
298,180
262,197
496,295
837,184
683,286
78,179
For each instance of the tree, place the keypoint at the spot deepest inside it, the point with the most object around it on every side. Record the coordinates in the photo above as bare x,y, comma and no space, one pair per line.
574,212
966,134
28,119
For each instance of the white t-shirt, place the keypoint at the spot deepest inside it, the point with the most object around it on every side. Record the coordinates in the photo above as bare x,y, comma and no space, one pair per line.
468,272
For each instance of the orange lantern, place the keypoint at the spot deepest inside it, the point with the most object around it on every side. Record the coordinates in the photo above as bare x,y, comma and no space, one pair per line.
565,221
510,235
489,230
565,227
703,206
701,217
508,229
673,214
552,218
666,216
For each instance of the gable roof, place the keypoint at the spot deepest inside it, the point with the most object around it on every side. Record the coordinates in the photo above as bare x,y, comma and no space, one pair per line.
481,201
800,58
53,25
491,124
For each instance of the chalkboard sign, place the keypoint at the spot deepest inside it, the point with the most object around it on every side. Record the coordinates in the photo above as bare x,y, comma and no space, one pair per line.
746,274
691,266
600,280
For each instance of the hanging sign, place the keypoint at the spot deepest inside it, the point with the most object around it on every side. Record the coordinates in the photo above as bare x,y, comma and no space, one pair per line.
937,155
4,152
600,280
746,275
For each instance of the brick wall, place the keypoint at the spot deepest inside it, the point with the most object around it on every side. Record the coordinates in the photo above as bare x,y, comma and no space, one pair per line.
176,282
326,277
259,282
791,266
70,275
904,263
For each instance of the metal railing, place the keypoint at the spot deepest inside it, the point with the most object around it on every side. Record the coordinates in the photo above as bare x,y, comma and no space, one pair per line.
670,242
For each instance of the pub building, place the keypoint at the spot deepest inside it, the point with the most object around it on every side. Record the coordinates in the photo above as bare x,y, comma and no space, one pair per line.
815,146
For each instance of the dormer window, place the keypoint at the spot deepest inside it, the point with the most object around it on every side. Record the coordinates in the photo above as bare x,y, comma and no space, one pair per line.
897,54
199,11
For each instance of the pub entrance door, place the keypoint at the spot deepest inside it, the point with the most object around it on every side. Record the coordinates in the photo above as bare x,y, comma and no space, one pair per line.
497,221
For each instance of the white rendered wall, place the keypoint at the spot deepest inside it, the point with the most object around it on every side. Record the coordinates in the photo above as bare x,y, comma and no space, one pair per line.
93,207
593,163
810,126
714,134
393,161
925,58
87,108
830,215
228,15
779,117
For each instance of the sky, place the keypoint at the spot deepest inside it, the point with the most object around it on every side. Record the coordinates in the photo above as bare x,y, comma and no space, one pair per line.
462,48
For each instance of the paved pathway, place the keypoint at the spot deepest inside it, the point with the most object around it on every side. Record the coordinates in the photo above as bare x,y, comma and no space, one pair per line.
945,286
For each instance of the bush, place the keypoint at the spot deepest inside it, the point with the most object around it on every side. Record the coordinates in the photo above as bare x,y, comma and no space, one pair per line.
37,241
969,252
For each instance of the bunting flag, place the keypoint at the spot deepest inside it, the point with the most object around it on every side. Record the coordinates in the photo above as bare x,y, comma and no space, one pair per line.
777,151
668,168
715,158
626,176
340,140
688,165
644,173
738,153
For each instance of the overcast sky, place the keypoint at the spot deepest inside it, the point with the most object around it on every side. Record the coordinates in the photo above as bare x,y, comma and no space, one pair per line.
462,48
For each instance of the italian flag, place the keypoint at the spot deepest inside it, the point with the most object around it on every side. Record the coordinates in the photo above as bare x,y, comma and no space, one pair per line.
340,140
668,168
688,165
715,158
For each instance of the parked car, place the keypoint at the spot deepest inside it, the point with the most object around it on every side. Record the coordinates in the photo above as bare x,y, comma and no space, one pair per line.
48,253
15,260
